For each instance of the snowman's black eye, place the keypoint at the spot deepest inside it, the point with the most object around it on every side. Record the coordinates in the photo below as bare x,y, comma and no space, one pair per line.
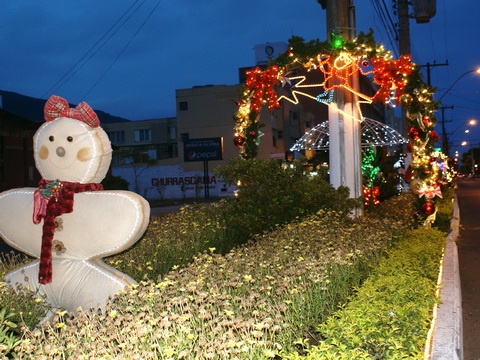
51,138
69,139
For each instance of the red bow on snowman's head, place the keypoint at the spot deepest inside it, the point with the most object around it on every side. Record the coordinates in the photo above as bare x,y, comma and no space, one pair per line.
58,107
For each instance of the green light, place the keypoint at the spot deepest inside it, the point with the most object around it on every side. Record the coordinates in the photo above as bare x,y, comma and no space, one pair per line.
337,41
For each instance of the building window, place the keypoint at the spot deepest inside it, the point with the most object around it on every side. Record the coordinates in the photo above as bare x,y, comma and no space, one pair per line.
142,135
183,105
116,137
152,154
293,117
172,131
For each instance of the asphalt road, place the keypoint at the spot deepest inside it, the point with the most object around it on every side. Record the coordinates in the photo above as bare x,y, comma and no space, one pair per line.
468,243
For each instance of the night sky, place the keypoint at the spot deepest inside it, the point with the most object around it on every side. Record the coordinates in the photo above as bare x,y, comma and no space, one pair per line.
128,57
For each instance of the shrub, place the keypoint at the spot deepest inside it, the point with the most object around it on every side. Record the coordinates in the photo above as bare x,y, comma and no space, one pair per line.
23,305
269,195
115,183
252,303
263,299
445,210
389,317
273,196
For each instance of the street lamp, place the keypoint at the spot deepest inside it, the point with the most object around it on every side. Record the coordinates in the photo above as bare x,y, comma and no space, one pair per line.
474,166
471,122
458,79
444,135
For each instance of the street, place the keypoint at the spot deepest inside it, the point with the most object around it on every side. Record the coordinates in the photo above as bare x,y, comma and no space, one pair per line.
468,242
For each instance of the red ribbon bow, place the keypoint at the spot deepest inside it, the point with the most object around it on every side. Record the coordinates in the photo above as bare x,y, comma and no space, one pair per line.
56,107
391,75
262,83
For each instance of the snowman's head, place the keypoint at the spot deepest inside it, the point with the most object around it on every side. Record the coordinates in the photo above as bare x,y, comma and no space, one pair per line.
68,147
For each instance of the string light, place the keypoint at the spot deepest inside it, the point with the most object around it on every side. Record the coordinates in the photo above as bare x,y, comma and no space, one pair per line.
374,133
322,99
399,83
391,76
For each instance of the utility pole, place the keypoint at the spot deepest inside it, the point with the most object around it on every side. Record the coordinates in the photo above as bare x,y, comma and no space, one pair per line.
404,45
428,66
344,128
445,147
403,27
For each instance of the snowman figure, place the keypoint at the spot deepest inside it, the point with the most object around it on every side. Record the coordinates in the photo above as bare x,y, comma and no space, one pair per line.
69,223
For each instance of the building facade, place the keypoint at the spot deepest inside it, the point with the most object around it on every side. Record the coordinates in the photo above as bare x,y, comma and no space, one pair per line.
17,164
205,112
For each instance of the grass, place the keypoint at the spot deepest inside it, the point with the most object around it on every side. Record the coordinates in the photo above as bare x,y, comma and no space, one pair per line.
199,298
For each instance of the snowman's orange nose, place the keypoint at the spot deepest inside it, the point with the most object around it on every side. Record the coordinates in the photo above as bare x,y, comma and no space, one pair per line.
60,151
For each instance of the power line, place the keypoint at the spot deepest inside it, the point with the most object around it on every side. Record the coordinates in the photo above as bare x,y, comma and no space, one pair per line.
122,51
386,21
93,50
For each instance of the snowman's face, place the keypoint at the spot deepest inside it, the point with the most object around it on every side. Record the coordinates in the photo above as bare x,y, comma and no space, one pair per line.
70,150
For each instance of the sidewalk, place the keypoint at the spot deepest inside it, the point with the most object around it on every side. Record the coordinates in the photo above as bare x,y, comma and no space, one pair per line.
468,242
456,334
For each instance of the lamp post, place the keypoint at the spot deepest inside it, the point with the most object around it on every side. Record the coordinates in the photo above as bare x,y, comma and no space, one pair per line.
444,134
471,122
458,79
472,170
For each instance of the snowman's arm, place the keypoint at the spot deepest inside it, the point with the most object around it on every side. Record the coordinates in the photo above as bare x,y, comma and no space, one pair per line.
104,223
16,221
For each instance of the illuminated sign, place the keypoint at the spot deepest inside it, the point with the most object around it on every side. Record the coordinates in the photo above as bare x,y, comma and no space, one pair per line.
203,149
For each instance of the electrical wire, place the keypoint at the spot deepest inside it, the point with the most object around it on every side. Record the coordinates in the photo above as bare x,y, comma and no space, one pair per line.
445,37
122,51
387,22
391,26
93,50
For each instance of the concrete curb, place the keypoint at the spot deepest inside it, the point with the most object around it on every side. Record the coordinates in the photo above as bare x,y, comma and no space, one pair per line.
447,341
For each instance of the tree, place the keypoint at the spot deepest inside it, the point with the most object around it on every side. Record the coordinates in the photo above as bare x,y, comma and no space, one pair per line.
138,160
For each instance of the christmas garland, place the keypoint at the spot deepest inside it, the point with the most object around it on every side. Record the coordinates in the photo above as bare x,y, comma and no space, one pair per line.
399,83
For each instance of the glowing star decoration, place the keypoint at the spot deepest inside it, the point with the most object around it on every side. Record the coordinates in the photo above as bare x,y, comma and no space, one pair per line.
298,88
337,73
298,85
391,76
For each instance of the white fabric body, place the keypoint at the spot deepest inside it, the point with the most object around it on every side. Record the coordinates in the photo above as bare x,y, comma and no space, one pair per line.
102,223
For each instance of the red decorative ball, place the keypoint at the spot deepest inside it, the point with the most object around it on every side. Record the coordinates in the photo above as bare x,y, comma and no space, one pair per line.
239,141
252,133
426,120
434,135
414,133
408,175
428,208
365,63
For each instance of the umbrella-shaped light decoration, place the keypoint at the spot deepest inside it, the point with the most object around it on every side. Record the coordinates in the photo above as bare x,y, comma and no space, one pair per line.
374,133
